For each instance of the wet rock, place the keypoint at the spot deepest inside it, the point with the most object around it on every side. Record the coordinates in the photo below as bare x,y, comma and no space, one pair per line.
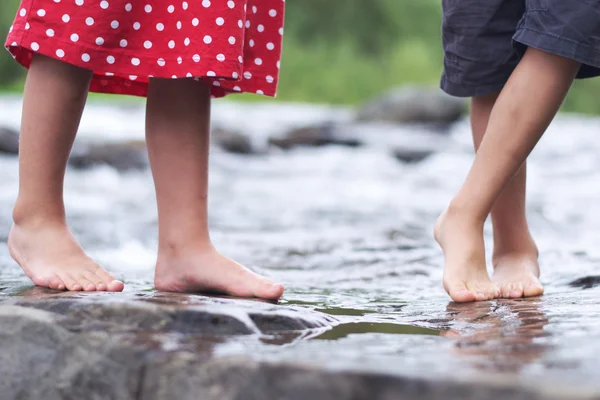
123,156
315,136
9,141
587,282
233,142
412,156
414,104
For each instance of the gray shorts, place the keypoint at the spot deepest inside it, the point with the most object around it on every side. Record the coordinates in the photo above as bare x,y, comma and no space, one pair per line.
484,39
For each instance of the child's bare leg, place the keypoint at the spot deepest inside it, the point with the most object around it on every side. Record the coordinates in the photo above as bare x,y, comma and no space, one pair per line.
40,240
178,119
525,108
516,269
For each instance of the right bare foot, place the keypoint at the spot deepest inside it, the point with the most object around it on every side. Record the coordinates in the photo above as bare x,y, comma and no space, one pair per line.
51,257
465,274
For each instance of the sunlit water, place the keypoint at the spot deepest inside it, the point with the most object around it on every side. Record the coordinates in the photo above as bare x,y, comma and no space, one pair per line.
349,232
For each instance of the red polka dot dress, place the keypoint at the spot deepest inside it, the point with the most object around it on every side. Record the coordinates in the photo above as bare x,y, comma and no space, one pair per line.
235,45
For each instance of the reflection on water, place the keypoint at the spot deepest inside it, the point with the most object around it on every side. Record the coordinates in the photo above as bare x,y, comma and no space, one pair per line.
357,328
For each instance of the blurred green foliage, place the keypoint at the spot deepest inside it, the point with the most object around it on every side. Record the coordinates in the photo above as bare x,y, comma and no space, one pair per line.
346,51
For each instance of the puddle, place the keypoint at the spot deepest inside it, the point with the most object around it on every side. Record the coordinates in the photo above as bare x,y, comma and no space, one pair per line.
357,328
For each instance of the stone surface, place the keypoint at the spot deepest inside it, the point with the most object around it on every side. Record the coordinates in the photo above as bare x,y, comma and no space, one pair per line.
314,136
123,156
409,104
233,142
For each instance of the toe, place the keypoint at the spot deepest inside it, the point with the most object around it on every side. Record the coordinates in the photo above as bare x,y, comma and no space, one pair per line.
96,280
85,284
505,290
70,283
112,284
272,291
56,283
459,293
533,290
517,291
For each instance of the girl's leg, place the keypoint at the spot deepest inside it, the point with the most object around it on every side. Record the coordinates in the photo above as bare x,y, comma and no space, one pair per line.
177,132
516,269
40,240
525,108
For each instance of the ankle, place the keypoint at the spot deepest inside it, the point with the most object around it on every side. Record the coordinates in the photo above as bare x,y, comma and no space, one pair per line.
181,249
36,216
464,215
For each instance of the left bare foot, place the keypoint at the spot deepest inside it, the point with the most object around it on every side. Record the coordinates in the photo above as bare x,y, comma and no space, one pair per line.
208,271
517,273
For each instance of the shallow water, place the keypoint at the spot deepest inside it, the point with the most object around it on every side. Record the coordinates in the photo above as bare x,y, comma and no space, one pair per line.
348,231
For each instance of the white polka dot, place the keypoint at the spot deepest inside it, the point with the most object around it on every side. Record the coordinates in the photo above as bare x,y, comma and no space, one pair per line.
189,75
206,3
14,44
137,26
211,74
254,9
196,58
161,62
270,46
171,9
251,43
260,28
195,21
237,89
241,59
104,4
74,37
89,21
60,53
278,64
272,13
220,21
240,23
85,57
186,41
110,59
128,7
135,61
207,39
66,18
231,4
132,77
184,5
179,60
35,46
99,41
270,79
50,32
247,24
174,77
114,24
247,75
148,44
231,40
123,43
281,31
172,44
41,12
148,8
220,57
27,26
216,83
260,92
109,74
235,75
23,12
179,25
160,27
79,2
258,61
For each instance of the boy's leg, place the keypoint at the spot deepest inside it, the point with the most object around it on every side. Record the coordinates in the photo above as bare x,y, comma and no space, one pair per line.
516,269
525,108
40,240
177,130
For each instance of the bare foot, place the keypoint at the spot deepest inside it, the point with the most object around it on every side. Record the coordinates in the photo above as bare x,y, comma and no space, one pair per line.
517,273
51,257
209,271
465,275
